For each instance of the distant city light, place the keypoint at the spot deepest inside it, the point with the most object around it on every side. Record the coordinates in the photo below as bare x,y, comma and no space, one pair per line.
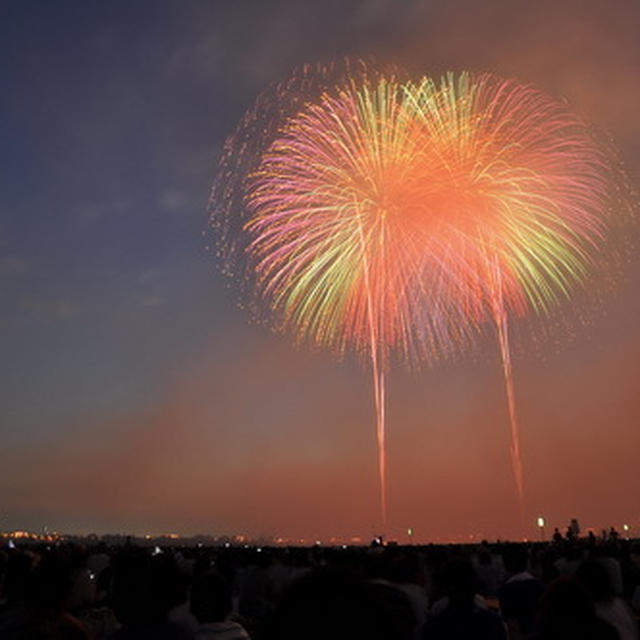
626,527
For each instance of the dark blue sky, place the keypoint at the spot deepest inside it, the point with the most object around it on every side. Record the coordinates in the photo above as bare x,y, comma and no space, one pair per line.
133,386
108,147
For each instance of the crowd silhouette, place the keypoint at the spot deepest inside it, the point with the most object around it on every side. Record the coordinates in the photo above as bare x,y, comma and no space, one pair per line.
571,587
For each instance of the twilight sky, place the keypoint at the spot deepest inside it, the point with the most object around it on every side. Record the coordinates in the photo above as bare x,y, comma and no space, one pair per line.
136,397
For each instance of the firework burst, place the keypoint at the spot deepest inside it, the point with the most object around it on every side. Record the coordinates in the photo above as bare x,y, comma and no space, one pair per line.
396,217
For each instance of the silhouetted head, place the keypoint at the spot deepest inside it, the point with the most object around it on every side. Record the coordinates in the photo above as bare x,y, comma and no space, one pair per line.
51,583
566,608
515,558
16,575
330,603
460,582
593,575
144,588
210,597
405,567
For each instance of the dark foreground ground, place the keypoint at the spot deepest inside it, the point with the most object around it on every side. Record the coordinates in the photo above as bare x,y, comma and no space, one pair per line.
580,588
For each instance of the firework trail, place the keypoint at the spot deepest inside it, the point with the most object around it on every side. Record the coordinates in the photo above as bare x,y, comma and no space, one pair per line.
396,217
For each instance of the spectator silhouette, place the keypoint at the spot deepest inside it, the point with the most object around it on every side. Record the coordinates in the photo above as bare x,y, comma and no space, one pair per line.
520,594
489,574
594,576
211,605
143,593
633,577
406,574
567,612
337,604
461,618
44,613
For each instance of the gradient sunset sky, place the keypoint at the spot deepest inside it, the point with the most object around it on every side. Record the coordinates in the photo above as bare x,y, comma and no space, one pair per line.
135,396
